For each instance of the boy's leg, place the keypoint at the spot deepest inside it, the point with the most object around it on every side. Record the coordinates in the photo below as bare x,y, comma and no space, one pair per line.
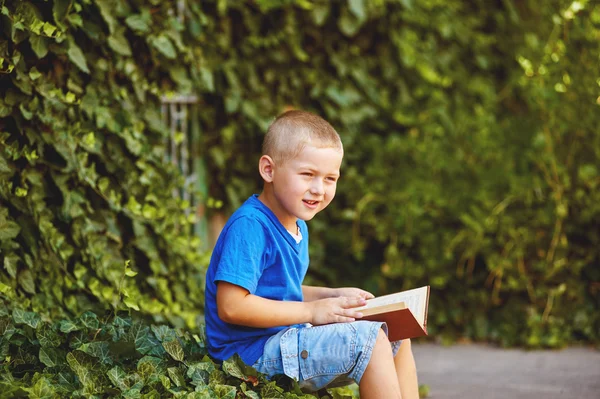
407,371
380,379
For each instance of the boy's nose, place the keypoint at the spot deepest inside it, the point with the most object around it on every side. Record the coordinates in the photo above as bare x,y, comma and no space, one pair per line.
316,187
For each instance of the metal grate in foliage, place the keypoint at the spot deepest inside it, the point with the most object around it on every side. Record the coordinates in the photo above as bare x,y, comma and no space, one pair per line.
183,149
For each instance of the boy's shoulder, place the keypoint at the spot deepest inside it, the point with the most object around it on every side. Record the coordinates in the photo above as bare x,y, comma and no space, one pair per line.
252,212
252,208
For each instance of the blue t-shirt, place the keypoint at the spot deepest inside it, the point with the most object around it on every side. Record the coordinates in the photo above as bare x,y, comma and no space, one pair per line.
256,252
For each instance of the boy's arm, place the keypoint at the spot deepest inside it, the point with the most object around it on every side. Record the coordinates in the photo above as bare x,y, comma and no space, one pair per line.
237,306
312,293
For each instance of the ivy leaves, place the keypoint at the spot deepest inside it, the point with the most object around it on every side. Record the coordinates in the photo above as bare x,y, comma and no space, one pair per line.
87,356
83,186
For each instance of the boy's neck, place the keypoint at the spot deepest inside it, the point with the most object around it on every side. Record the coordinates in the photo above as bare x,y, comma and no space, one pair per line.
266,197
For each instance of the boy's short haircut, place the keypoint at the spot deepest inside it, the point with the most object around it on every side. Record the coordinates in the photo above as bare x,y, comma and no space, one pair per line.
291,131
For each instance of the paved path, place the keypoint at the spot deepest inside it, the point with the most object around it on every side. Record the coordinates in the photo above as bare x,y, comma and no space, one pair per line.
470,371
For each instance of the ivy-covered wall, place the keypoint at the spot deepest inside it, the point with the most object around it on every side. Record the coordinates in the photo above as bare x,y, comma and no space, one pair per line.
470,130
87,216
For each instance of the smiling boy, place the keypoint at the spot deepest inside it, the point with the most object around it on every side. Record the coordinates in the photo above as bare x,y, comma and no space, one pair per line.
256,305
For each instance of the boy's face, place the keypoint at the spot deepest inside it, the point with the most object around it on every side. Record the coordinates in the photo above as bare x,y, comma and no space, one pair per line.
305,185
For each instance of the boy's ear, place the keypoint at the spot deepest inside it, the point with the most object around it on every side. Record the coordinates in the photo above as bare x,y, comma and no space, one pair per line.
266,168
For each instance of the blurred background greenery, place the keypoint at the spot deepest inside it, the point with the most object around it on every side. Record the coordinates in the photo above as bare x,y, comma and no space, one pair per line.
471,132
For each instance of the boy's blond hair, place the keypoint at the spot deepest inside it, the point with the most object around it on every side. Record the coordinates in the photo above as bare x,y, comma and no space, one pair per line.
291,131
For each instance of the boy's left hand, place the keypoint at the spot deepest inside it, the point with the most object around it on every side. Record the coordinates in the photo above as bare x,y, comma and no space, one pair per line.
353,292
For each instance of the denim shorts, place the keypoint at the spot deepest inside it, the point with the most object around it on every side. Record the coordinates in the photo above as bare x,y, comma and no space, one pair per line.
322,356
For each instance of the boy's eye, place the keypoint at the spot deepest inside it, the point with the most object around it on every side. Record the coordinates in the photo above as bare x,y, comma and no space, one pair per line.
306,174
332,179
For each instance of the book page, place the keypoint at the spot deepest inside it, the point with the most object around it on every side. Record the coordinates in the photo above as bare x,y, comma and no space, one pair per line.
413,299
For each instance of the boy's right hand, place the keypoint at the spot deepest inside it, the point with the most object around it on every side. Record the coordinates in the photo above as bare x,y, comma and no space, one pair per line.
335,310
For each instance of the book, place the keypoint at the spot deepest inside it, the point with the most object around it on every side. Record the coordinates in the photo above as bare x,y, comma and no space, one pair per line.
404,312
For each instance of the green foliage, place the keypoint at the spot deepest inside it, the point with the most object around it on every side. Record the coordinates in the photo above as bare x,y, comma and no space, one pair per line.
87,216
110,358
471,143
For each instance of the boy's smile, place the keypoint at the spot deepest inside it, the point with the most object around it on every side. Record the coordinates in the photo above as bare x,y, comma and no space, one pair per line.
303,186
311,204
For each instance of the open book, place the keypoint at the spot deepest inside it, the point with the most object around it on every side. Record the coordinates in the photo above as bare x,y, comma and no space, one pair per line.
404,312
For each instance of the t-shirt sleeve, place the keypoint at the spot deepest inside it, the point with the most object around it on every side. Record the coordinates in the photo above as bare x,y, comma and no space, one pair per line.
243,254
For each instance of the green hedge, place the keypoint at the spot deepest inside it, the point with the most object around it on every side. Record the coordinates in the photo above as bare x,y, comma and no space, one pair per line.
85,195
472,151
89,357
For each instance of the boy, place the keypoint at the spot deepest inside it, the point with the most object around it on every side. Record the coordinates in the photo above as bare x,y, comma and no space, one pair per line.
256,305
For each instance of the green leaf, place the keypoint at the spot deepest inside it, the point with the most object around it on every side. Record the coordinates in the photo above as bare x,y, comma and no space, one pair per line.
118,377
107,10
207,78
36,25
130,273
203,392
357,7
90,320
76,56
31,319
139,22
26,281
587,172
150,367
348,23
7,329
131,303
82,367
118,42
176,375
60,9
165,381
51,357
217,377
164,333
8,228
42,389
5,289
231,367
224,391
200,372
164,45
66,326
49,29
271,390
39,45
320,12
47,336
34,73
124,322
10,265
4,168
145,342
99,350
174,349
67,380
250,394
